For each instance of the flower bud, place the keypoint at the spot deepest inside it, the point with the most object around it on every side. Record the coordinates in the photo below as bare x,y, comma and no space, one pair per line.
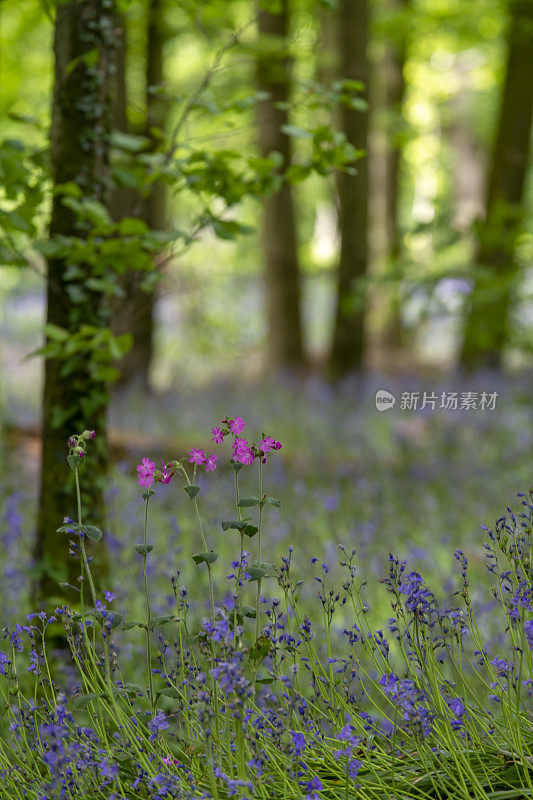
88,434
79,451
72,441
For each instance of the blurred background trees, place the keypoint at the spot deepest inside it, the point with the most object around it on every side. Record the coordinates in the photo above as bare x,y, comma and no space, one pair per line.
235,186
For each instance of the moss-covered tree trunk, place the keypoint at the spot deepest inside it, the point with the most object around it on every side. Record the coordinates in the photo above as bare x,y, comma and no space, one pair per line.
487,324
279,241
73,400
349,333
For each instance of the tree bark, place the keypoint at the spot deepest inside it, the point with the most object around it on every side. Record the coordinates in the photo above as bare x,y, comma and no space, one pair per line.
487,325
394,97
282,276
349,336
136,315
80,141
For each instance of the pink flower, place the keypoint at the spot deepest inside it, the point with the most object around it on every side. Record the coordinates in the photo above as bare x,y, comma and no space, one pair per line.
267,444
211,463
197,457
277,446
169,761
236,425
146,467
166,477
245,456
145,481
218,436
239,445
242,452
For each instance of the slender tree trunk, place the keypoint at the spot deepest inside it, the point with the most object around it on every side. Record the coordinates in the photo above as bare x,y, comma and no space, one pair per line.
349,339
394,98
136,315
80,135
487,325
280,246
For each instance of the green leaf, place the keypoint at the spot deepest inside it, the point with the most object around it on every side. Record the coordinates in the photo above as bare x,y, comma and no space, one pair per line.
69,189
192,491
76,294
297,173
208,558
250,531
169,691
260,650
70,527
134,688
74,461
230,229
130,226
129,142
91,531
143,549
48,248
273,501
233,524
83,700
248,502
249,611
265,680
129,625
164,618
295,131
117,620
258,571
55,332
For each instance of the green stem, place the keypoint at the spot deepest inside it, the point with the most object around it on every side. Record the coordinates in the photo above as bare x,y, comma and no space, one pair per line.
259,546
148,611
82,541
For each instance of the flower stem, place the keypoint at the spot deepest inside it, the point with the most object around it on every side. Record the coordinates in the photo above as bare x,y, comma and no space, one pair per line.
148,611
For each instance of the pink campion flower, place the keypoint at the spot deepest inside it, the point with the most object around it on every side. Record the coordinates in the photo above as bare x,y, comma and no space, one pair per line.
211,463
239,445
169,761
145,481
236,425
218,436
197,457
146,467
242,452
166,477
245,456
277,445
267,444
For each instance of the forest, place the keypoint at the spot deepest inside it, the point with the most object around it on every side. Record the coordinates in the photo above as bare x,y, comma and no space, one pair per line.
266,368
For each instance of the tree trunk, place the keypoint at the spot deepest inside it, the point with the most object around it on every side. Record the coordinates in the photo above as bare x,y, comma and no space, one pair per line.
280,246
136,315
80,134
348,341
394,98
487,325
